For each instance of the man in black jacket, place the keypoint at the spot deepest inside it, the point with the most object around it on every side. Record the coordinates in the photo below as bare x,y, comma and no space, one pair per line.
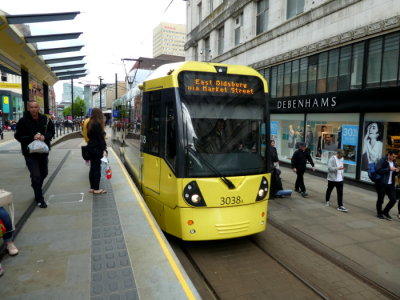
35,126
388,169
299,161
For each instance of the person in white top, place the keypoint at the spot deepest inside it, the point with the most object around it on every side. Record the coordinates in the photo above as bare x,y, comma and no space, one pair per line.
335,179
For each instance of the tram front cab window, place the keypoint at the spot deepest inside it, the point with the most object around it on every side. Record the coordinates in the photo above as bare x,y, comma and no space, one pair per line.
224,130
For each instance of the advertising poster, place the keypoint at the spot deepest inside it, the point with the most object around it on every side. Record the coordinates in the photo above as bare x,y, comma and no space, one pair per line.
274,130
349,143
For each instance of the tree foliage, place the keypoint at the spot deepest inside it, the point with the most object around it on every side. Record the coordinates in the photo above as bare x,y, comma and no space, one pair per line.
79,108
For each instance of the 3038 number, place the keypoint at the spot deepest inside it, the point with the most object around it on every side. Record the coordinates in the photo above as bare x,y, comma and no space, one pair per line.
230,200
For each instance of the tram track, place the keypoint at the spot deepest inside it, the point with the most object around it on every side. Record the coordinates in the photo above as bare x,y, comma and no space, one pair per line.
300,271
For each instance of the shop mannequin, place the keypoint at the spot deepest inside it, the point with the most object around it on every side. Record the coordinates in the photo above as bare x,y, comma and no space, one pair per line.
291,137
309,137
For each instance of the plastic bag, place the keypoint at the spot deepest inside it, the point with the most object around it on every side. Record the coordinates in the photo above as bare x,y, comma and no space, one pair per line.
107,167
38,146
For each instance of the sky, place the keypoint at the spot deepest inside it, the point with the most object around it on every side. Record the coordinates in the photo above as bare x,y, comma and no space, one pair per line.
112,30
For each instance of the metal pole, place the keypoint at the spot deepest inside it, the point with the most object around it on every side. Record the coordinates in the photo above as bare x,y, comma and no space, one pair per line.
25,88
46,98
72,98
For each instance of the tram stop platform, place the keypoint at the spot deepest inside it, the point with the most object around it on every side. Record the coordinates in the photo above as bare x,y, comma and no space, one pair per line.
84,246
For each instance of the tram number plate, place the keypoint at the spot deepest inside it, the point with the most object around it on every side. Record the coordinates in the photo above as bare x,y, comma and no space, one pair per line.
234,200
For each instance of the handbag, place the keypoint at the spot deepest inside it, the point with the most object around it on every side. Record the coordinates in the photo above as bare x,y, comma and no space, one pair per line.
85,152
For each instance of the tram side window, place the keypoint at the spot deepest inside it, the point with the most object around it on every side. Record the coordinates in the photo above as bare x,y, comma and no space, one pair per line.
154,124
170,136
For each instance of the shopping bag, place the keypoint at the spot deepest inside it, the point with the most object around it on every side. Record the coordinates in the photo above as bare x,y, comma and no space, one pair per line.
38,146
107,168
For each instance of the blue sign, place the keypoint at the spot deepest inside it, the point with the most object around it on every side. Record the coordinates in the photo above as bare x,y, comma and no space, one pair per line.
349,143
115,113
274,128
90,111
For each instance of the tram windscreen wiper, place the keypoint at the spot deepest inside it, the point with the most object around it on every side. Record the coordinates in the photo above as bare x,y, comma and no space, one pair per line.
228,183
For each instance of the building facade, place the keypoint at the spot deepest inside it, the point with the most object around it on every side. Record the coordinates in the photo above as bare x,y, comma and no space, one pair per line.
332,68
169,39
67,93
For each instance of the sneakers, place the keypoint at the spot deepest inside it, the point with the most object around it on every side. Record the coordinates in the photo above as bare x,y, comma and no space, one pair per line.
1,271
380,216
327,203
42,204
297,190
12,250
342,209
386,216
304,194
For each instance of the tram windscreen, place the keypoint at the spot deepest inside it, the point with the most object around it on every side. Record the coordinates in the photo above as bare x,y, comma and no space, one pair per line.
224,123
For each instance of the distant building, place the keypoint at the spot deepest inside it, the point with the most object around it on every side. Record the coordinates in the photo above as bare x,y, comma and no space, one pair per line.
169,39
66,95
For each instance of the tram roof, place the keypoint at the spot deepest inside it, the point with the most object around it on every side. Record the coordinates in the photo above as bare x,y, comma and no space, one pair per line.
166,75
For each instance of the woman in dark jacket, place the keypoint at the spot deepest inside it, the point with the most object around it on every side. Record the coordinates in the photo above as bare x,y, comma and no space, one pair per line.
97,148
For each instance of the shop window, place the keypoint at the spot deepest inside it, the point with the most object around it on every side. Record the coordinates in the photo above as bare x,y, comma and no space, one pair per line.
357,66
286,79
287,130
325,133
295,78
380,134
322,72
267,77
344,68
279,84
303,76
3,76
262,16
390,60
374,62
274,76
312,74
333,68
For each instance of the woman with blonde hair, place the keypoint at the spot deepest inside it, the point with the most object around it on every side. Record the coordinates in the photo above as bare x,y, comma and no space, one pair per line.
97,148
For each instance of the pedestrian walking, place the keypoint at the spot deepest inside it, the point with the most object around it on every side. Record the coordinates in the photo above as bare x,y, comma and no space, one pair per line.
335,179
299,162
388,169
35,126
97,149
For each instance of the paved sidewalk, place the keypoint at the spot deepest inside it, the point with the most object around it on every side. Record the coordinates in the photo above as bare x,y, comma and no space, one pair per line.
357,239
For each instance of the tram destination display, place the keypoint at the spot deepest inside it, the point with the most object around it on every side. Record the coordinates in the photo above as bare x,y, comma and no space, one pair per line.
216,84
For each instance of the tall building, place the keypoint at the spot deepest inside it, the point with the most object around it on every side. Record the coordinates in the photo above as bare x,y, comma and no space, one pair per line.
67,93
169,39
332,69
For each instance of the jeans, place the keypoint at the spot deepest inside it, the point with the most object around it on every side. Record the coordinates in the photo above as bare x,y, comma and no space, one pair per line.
299,185
5,217
38,167
339,191
381,190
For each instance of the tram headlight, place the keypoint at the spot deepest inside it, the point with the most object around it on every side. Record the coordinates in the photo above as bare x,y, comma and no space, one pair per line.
263,190
192,194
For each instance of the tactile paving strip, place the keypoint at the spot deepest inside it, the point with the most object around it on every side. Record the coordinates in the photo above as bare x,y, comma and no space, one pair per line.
112,276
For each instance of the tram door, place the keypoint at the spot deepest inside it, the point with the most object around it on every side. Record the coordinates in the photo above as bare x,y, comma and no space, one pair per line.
151,166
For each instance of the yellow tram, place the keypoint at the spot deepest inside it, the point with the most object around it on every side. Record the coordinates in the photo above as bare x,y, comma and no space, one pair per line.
195,138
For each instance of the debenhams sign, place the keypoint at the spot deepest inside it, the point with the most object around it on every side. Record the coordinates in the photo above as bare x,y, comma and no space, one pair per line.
306,103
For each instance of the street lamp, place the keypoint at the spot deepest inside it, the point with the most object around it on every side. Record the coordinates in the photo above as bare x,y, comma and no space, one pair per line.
100,78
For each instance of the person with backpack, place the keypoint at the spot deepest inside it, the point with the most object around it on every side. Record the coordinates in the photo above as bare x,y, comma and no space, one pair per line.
387,168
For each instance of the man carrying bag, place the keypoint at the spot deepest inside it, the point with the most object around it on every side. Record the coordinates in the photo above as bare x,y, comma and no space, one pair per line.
31,127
